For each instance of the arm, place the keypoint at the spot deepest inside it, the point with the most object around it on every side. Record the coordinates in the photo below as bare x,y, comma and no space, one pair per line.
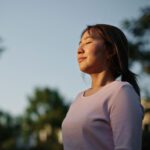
126,119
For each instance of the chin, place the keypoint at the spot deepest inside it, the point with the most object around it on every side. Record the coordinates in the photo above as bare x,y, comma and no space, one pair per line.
90,70
85,70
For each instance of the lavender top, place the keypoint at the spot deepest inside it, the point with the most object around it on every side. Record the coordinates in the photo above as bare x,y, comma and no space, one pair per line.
110,119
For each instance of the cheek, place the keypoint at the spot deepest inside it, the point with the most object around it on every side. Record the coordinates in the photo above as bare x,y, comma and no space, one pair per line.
97,55
100,53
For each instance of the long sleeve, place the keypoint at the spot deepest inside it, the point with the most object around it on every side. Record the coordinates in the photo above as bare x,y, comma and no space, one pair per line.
110,119
126,119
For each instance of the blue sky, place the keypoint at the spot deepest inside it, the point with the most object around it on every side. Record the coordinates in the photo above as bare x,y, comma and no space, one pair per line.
41,38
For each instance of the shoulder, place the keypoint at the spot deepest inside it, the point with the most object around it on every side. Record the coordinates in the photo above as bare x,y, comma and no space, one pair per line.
124,96
123,87
123,92
120,84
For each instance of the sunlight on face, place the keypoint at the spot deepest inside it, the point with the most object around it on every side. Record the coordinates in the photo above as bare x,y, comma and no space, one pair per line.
91,54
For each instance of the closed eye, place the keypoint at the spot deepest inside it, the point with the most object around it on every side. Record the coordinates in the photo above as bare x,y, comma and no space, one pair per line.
86,43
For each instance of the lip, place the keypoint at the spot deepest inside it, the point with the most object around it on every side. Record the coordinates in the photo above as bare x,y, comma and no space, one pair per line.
80,59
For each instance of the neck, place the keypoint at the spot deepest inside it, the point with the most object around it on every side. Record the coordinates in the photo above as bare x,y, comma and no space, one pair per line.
101,79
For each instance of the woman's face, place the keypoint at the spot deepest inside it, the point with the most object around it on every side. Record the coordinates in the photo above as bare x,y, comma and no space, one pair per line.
92,54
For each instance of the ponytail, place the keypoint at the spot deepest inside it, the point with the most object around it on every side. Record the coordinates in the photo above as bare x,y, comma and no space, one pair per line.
130,77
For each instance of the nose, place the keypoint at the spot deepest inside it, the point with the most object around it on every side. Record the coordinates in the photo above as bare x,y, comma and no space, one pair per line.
80,50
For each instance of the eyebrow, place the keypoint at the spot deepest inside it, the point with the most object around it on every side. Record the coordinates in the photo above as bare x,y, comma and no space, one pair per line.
86,38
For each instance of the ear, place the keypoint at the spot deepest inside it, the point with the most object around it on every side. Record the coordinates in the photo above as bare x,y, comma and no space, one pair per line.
110,53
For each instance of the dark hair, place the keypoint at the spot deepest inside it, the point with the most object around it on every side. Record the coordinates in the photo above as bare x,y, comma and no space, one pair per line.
117,42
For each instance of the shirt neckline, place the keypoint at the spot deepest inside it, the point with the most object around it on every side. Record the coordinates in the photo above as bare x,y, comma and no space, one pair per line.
98,91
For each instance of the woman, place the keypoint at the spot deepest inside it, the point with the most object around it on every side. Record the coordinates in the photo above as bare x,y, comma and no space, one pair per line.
108,115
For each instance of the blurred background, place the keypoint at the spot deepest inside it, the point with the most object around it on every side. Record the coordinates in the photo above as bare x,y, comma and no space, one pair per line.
39,74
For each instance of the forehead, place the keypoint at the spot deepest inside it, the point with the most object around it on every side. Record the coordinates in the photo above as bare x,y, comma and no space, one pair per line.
86,35
90,34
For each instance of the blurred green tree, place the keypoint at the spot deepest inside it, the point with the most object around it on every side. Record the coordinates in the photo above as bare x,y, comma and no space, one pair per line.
9,127
42,121
9,131
139,45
